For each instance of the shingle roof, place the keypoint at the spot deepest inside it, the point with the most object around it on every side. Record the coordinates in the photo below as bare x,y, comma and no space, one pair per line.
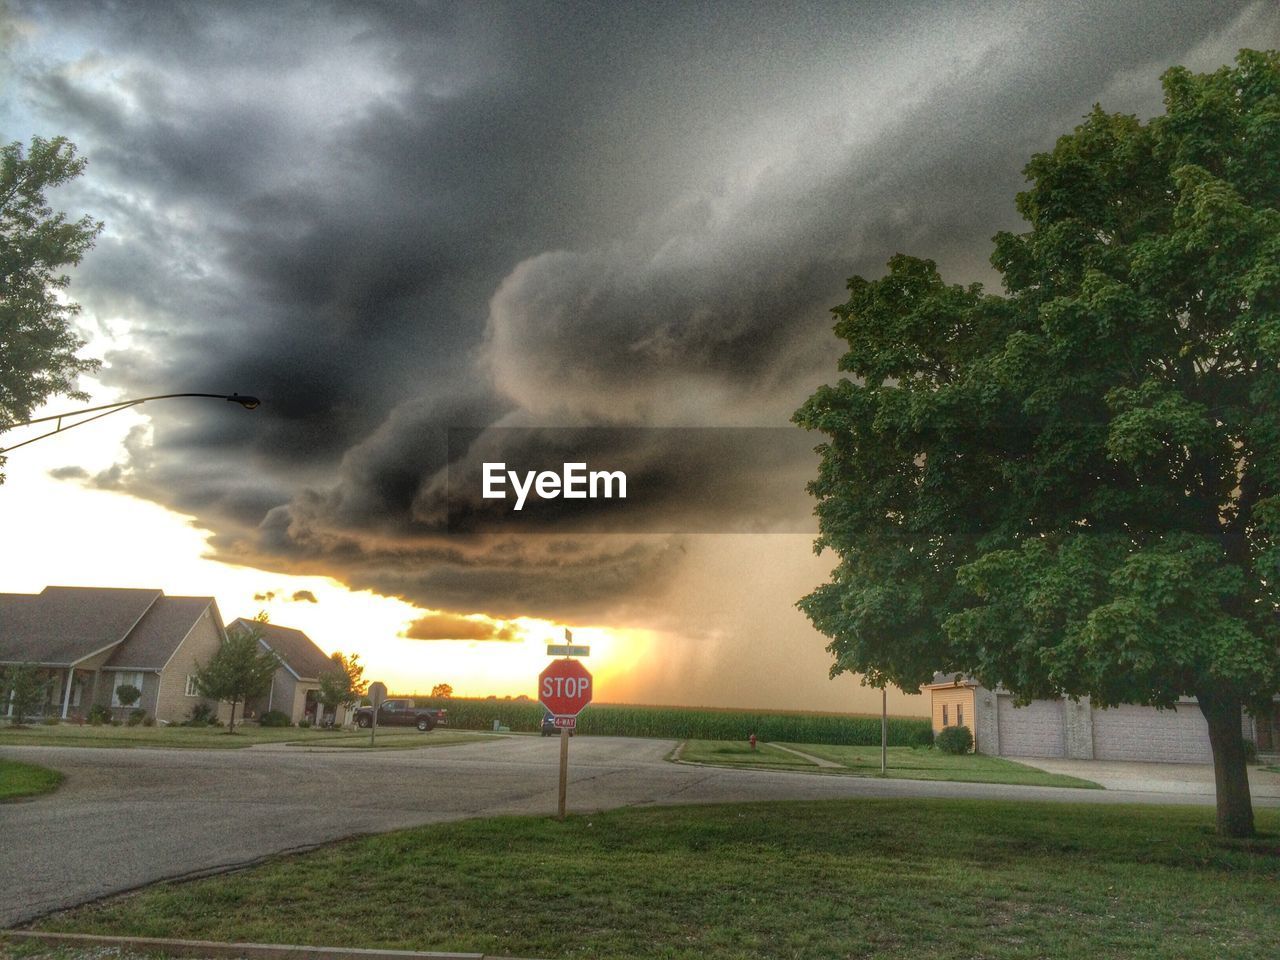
294,647
63,625
152,642
951,679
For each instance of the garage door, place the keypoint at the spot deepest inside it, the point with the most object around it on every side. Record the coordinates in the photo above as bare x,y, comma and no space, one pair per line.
1035,730
1144,733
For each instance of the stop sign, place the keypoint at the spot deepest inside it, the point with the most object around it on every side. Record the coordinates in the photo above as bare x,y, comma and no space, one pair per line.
564,687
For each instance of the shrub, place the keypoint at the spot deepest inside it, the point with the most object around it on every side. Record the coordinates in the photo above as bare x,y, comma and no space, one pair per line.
955,740
275,718
99,714
51,721
203,714
136,717
304,723
1250,752
923,737
148,721
128,694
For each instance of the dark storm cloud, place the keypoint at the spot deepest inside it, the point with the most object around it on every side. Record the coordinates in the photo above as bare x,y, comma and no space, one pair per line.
390,219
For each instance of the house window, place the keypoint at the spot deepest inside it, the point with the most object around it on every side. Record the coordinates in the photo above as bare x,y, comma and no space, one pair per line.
191,686
945,721
959,714
124,679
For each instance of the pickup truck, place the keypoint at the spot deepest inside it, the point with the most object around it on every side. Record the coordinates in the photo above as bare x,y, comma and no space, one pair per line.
402,713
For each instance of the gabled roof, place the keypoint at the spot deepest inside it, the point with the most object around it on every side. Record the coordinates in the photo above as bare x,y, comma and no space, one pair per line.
165,625
950,680
301,656
61,626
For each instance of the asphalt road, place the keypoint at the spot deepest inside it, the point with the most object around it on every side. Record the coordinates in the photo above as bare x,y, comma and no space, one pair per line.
128,817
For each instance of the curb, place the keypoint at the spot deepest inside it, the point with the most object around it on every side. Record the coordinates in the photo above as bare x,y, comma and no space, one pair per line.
247,951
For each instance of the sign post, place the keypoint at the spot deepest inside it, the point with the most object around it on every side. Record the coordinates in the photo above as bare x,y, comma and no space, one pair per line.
377,693
564,688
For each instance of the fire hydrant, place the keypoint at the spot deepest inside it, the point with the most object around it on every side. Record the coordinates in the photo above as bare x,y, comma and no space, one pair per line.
752,740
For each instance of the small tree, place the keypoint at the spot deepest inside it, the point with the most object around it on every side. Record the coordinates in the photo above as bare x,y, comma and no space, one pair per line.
240,669
23,688
344,685
128,695
442,690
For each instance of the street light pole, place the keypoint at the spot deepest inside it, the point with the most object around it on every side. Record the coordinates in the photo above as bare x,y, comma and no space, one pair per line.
249,403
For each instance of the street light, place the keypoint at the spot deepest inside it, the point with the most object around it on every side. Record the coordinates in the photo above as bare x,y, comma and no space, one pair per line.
249,403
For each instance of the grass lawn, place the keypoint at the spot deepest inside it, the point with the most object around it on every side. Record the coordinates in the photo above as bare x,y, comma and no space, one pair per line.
73,735
907,763
25,780
736,754
850,878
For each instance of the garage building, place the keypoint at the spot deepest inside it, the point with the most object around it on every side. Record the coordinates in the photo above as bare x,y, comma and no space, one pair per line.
1079,730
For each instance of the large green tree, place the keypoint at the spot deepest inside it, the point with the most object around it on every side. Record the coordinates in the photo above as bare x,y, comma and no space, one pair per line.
38,342
1074,488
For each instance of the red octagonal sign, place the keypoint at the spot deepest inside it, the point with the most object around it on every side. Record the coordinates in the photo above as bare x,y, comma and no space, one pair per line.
564,687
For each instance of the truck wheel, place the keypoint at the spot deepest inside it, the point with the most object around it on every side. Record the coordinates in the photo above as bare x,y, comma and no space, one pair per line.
425,724
364,722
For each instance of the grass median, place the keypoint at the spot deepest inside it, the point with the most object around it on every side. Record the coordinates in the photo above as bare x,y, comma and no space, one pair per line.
907,763
858,878
18,780
206,738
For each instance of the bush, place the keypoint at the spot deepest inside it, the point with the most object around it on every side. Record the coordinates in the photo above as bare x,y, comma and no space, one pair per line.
203,714
1250,752
304,723
923,737
275,718
51,721
99,714
136,717
956,740
148,721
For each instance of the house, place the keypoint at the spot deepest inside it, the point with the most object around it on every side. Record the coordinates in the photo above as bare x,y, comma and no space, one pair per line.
90,641
1079,730
295,687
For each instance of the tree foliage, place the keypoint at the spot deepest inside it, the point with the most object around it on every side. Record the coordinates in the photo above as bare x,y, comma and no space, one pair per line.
344,685
1074,488
23,686
442,690
38,342
240,668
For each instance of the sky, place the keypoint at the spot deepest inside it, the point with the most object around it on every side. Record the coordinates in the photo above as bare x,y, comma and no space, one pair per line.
415,230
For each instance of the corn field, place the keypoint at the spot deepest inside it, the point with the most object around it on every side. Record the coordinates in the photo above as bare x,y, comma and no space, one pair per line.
689,723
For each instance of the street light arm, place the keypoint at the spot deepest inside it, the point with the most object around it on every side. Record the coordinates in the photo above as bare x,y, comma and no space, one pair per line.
249,403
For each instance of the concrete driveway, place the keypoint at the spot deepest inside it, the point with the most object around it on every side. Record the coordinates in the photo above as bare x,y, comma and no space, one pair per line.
125,818
1187,779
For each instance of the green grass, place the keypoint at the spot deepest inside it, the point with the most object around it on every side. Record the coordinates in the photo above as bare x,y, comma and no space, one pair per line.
737,754
889,879
215,738
26,780
904,763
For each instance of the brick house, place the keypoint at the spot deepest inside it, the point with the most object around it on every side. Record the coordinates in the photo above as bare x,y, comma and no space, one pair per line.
90,641
1079,730
296,685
